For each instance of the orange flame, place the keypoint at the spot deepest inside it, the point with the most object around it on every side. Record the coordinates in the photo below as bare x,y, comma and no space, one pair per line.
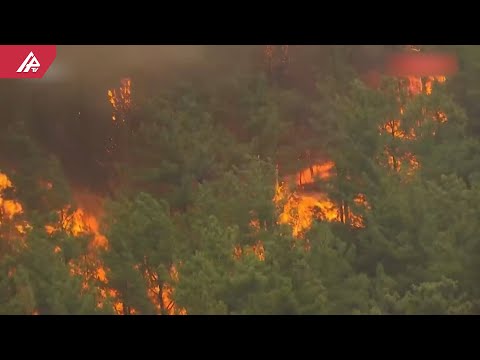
165,293
257,249
315,172
4,182
120,99
11,208
8,208
83,221
393,128
415,86
300,208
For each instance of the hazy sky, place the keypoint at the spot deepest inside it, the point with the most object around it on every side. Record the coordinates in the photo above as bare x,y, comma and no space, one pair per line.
108,61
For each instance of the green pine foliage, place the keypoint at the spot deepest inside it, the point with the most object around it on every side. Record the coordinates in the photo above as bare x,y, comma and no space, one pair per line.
191,220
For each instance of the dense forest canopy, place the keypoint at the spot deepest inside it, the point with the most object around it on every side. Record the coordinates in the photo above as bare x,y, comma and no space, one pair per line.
273,179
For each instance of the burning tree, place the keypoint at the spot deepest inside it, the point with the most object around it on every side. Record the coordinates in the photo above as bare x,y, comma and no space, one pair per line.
33,277
140,256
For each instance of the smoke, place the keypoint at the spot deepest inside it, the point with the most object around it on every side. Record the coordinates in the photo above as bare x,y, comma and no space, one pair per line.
105,63
68,110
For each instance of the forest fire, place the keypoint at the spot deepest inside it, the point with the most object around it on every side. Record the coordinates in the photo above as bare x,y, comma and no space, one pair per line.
161,297
301,207
185,213
417,85
394,128
8,208
257,249
121,100
4,182
79,223
83,221
430,80
314,172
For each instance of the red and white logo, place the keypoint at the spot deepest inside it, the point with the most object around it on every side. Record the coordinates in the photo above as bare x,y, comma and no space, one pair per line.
26,61
30,63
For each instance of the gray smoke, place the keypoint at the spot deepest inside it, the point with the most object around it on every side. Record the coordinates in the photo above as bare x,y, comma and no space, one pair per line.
105,62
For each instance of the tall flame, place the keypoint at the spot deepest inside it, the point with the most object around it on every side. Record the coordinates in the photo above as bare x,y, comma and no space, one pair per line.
121,100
